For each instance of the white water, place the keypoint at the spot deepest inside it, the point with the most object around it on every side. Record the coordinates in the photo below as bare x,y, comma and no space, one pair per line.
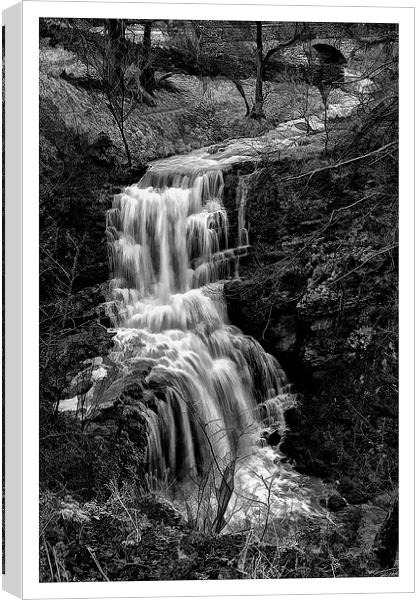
215,389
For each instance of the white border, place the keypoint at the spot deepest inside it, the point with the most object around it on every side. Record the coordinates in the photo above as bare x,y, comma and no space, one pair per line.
31,12
13,300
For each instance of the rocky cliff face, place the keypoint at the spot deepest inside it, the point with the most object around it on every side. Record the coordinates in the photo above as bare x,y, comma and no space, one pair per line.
321,295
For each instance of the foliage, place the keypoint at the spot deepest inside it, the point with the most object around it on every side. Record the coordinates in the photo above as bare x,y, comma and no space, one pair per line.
127,537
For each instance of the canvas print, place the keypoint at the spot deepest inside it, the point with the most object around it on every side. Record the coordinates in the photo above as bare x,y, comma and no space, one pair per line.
218,299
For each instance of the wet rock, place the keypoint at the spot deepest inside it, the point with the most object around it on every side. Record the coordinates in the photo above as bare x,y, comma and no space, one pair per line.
85,342
79,385
284,333
334,503
292,417
274,438
352,491
356,496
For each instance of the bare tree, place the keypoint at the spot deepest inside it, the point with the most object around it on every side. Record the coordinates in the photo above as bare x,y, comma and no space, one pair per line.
261,62
113,63
212,56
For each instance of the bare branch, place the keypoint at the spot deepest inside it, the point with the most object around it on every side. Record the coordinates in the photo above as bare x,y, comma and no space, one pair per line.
296,36
341,164
387,249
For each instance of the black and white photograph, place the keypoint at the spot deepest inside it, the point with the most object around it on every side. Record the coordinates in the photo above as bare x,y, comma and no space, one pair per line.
218,299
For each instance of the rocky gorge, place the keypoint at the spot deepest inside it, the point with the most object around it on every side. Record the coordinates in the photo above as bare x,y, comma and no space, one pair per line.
316,287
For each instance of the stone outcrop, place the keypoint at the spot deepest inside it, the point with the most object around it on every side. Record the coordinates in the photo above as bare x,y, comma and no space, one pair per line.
326,335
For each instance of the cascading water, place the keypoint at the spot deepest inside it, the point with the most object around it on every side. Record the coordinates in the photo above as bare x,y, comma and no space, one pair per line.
169,254
241,200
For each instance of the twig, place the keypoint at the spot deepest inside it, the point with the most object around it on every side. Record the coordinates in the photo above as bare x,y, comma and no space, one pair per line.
341,164
91,552
57,263
49,560
136,529
56,564
268,320
364,262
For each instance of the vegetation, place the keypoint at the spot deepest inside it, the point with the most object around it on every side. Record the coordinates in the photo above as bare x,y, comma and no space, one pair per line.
320,291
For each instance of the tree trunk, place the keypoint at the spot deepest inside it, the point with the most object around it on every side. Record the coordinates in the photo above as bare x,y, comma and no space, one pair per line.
116,53
147,76
117,111
127,148
241,90
257,111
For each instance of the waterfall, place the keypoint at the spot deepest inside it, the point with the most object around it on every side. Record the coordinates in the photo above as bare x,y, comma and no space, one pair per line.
218,390
169,255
